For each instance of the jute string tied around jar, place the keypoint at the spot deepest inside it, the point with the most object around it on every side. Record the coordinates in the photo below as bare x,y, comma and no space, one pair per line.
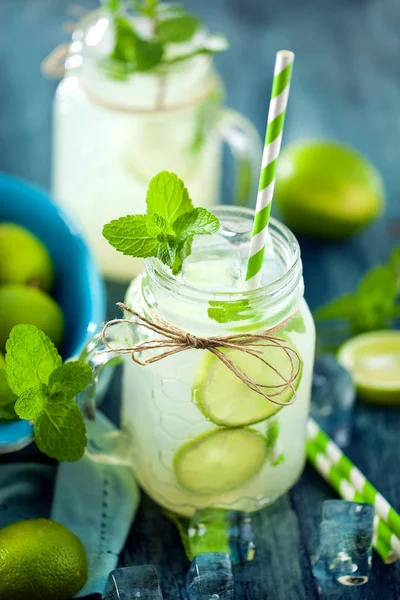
174,340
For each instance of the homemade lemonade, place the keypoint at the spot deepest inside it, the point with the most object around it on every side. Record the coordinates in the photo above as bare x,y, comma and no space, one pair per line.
199,435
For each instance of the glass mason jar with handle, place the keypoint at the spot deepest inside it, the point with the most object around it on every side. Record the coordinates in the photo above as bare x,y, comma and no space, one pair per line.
110,136
199,435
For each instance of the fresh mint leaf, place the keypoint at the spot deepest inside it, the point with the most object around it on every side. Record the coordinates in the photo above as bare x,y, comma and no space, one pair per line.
7,399
183,250
147,54
60,431
125,41
31,358
343,307
71,378
167,252
32,402
114,5
130,235
158,227
228,311
295,324
272,434
198,221
179,28
168,197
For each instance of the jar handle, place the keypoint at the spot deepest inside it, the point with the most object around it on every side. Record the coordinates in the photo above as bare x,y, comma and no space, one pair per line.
103,364
245,144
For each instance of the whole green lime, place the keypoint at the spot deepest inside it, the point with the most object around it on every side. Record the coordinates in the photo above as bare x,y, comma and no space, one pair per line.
327,190
31,306
24,259
40,560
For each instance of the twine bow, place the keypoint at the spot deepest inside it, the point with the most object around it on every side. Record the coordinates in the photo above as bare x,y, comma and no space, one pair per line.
176,340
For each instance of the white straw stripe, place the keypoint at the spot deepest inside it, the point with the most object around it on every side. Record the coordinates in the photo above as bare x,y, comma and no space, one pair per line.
395,544
347,491
357,479
286,57
264,197
333,452
323,464
382,506
278,104
271,151
258,242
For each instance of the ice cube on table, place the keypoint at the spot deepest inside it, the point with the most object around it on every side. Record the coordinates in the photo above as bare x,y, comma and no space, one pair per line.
345,543
210,577
133,583
332,399
220,530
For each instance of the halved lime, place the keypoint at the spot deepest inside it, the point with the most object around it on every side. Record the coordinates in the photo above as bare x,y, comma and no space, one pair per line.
219,460
373,360
226,400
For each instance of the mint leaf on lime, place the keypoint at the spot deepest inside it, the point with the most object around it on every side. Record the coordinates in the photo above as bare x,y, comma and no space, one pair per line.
31,358
168,229
71,378
32,402
130,235
178,29
168,197
60,431
7,399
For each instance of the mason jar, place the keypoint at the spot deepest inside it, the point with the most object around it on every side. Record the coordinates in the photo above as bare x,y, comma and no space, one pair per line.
199,436
111,136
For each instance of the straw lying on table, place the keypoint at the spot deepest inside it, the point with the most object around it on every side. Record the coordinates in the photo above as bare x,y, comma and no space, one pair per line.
352,485
273,139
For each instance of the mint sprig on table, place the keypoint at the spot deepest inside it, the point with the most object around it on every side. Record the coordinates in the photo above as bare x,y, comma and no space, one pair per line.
170,24
43,390
168,228
375,303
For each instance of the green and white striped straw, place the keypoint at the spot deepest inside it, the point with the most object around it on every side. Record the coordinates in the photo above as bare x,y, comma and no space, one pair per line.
273,139
352,485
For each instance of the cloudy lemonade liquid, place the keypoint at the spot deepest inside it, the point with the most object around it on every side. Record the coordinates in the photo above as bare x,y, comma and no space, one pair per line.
200,437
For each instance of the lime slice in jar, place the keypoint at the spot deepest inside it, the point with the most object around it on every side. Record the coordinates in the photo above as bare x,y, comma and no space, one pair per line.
373,360
226,400
219,460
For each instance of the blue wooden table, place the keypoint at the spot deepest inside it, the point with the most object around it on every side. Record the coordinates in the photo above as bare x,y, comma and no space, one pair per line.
346,85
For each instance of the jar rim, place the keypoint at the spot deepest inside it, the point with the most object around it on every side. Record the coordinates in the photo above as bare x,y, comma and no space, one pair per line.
275,291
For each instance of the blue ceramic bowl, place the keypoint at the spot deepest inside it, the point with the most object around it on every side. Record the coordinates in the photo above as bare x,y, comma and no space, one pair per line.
79,289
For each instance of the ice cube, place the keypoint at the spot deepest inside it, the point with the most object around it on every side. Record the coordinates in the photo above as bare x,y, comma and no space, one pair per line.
345,543
219,530
216,269
131,583
210,577
332,400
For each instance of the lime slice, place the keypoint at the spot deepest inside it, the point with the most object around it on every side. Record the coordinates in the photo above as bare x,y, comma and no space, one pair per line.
226,400
373,360
220,460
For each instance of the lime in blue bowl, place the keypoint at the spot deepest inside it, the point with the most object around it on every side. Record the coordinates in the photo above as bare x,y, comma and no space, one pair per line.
79,288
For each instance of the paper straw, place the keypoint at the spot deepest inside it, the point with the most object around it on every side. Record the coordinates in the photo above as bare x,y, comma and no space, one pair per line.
273,139
385,542
382,538
386,512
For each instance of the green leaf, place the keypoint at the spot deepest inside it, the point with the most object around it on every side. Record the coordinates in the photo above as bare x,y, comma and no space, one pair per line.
113,5
71,378
380,283
226,312
178,29
158,227
198,221
147,54
272,434
31,358
130,235
60,431
168,197
344,307
167,252
183,251
295,324
32,402
7,398
125,41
